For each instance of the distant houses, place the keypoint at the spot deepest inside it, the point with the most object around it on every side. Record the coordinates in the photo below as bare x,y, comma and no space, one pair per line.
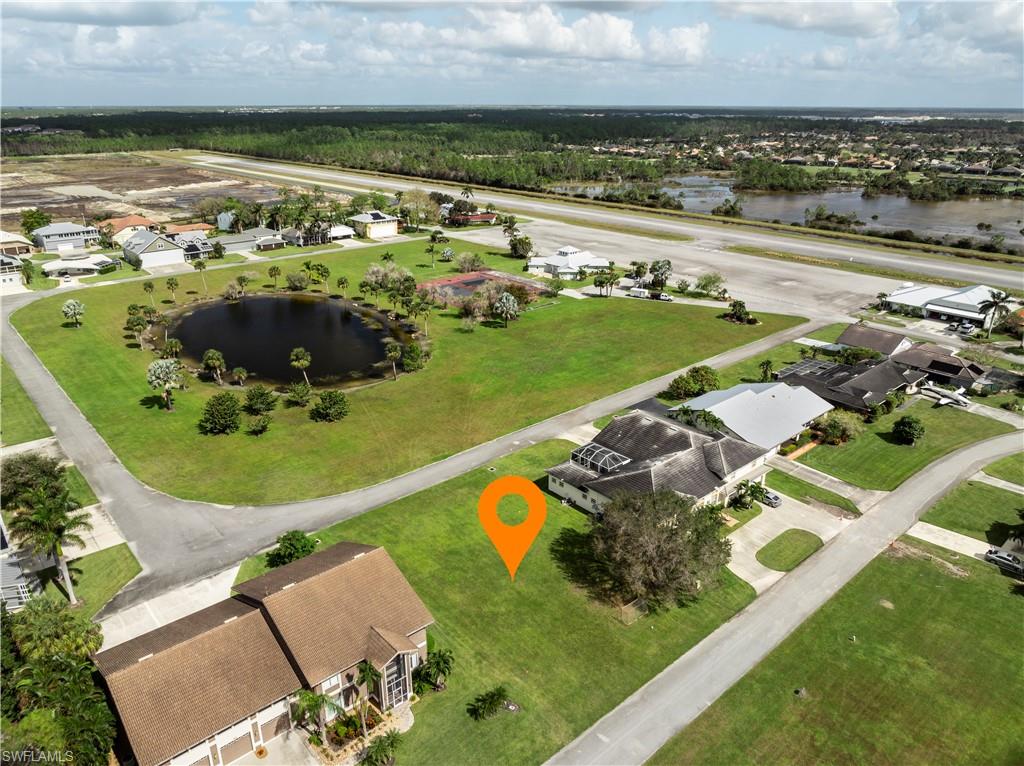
14,244
64,237
326,232
944,303
566,263
258,238
121,229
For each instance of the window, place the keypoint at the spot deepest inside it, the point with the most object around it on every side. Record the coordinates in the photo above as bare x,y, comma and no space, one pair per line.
332,682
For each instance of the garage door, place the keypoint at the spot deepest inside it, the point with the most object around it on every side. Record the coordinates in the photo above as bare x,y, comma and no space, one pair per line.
235,749
275,726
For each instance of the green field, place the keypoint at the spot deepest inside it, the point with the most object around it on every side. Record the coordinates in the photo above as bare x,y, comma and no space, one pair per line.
783,355
1008,469
874,460
20,421
564,657
125,272
805,492
477,386
79,487
786,551
981,511
934,677
97,577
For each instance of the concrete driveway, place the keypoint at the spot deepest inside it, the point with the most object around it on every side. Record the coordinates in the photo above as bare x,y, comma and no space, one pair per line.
772,522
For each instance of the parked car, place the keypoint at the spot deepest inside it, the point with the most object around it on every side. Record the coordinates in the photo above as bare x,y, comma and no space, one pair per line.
772,499
665,297
1009,562
966,328
953,326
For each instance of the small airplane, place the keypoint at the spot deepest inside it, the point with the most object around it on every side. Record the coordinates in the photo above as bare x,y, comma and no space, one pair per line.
949,397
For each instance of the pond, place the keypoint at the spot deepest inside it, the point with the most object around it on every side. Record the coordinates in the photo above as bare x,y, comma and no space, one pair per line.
346,342
957,217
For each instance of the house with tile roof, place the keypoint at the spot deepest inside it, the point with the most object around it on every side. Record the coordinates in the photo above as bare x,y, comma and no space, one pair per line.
856,387
884,342
121,229
210,688
640,453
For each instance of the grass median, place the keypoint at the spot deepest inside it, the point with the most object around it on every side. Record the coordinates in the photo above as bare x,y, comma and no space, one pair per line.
20,421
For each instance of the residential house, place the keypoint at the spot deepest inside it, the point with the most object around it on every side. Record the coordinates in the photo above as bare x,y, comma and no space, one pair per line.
327,232
855,387
566,263
375,224
466,219
121,229
182,228
884,342
14,244
258,238
10,270
641,453
77,265
152,249
943,303
765,414
225,220
209,688
193,244
942,367
64,236
1009,170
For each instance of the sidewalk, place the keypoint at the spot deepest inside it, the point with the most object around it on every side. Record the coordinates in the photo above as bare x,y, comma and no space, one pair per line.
47,446
1001,483
952,541
862,498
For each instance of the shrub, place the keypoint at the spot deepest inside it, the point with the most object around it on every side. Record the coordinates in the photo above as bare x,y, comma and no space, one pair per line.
487,704
109,269
259,400
469,262
232,291
291,546
412,357
259,425
856,354
840,426
332,406
694,382
908,430
299,394
27,472
298,280
221,415
132,260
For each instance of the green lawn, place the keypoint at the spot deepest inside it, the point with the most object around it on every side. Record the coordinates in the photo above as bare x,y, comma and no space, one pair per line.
934,677
748,371
979,510
742,516
805,492
786,551
477,386
1008,469
564,657
97,577
874,460
79,487
125,272
20,421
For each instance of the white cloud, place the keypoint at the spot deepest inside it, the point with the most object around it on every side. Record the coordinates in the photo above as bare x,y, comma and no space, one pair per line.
988,24
113,13
680,45
867,18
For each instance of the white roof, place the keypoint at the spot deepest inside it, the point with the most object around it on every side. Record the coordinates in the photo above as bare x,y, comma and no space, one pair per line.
95,262
340,229
570,259
373,216
918,295
765,414
64,227
966,297
6,236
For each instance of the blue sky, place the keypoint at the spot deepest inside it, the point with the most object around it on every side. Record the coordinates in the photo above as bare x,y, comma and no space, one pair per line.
867,53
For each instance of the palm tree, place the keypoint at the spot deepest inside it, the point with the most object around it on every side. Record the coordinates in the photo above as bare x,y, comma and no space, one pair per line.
240,374
996,307
381,750
172,285
767,367
47,522
746,492
172,347
709,420
439,666
467,192
881,298
300,360
242,280
274,272
393,352
342,285
366,676
199,264
213,361
149,287
310,705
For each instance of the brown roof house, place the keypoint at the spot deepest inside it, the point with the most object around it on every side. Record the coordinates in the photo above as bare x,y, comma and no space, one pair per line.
944,368
884,342
209,688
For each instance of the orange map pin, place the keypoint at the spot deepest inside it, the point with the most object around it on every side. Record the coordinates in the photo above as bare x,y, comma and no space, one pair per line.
512,541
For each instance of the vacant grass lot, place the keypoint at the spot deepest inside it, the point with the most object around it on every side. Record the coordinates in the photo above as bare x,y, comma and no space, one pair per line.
565,658
478,385
1010,468
97,578
874,460
980,511
805,492
933,677
783,355
20,421
786,551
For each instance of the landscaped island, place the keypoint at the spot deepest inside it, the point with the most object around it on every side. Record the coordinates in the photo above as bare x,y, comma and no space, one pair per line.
482,381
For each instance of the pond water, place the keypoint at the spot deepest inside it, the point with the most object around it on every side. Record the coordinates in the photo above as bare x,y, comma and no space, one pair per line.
260,331
958,217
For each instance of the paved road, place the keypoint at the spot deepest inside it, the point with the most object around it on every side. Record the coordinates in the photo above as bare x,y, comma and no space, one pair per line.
181,541
636,729
713,235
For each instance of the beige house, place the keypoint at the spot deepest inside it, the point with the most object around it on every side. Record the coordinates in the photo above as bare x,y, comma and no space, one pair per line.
210,688
375,224
121,229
